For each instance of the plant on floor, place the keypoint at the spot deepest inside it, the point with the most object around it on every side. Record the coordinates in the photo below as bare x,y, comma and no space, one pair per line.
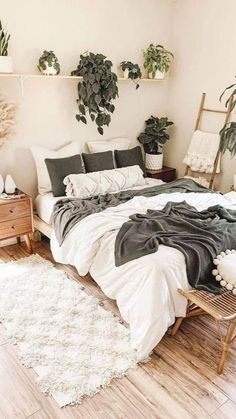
132,70
228,132
152,139
48,63
157,60
4,39
97,90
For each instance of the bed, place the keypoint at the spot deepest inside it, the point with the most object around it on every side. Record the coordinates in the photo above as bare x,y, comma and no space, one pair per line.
145,289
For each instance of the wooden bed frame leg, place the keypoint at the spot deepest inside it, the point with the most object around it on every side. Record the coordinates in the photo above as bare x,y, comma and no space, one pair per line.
226,345
177,325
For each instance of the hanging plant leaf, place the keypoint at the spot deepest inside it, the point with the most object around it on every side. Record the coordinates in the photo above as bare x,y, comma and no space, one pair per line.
97,90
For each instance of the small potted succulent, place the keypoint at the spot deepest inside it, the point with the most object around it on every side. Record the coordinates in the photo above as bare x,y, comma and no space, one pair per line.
131,71
48,64
157,61
5,60
152,139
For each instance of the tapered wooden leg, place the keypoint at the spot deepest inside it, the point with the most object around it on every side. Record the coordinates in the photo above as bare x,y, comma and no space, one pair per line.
28,243
177,325
226,345
18,240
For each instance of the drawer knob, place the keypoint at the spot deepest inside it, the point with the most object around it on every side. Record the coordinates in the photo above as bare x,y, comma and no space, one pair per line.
11,211
13,227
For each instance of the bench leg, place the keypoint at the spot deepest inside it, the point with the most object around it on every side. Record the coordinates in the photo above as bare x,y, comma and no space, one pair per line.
177,325
226,345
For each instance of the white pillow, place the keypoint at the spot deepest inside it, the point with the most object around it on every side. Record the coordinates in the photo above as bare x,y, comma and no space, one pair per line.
107,145
226,270
41,153
85,185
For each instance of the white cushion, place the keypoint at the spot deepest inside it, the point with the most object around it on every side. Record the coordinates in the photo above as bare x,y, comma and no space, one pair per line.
41,153
109,145
106,181
225,271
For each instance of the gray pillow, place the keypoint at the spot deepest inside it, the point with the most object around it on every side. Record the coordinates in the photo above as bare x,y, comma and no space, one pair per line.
95,162
130,157
58,169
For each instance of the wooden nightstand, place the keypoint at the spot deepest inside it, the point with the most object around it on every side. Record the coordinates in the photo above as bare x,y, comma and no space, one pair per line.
16,219
167,174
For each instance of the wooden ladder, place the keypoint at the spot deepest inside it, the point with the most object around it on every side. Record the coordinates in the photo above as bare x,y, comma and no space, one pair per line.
202,109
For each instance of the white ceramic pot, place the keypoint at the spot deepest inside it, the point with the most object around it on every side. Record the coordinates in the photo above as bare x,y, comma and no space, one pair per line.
6,65
159,75
235,182
49,70
154,161
126,73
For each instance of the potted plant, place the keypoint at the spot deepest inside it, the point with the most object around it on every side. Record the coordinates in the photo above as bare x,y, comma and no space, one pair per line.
97,90
228,132
48,64
131,71
157,61
5,60
152,139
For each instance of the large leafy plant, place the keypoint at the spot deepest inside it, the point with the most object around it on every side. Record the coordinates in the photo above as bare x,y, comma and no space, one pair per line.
134,72
156,57
97,90
228,132
4,39
154,134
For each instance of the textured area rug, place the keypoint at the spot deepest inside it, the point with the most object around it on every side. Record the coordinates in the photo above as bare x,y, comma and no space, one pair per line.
74,345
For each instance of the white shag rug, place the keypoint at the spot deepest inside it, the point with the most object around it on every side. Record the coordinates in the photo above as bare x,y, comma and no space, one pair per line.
74,345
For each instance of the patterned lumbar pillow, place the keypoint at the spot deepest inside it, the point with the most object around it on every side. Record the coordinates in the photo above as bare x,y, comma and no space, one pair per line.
226,270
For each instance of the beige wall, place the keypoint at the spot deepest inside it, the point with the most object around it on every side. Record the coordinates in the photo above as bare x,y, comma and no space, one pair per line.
204,42
47,110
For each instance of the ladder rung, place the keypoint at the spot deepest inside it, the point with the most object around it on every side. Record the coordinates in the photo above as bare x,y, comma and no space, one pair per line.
214,110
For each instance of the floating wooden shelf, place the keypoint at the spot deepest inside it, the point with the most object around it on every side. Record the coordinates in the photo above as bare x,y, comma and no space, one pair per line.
42,76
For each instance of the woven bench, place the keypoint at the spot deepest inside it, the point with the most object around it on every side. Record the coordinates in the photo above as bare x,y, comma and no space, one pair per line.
222,307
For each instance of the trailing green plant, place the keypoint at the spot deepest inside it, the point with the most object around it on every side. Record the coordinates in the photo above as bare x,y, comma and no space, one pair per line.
156,57
48,58
155,134
97,90
134,72
4,39
228,132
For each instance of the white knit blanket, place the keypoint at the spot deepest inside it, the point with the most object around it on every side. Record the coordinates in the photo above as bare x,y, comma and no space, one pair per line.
106,181
202,152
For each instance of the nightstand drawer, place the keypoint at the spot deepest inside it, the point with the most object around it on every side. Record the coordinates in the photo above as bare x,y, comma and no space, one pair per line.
15,227
10,211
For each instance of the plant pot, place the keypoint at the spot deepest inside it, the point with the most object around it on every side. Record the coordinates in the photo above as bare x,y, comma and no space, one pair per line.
6,65
126,73
154,161
159,75
49,70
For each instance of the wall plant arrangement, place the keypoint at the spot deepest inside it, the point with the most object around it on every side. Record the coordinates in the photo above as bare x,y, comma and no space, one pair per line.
48,64
97,90
228,132
131,71
5,61
152,139
157,61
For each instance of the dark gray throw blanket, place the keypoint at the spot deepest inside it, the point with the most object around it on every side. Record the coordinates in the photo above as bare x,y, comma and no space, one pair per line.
200,236
68,212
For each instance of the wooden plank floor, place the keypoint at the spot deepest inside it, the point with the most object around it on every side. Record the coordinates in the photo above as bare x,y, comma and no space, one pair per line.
178,382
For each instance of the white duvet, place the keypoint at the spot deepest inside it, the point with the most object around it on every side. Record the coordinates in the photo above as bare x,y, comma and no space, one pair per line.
145,289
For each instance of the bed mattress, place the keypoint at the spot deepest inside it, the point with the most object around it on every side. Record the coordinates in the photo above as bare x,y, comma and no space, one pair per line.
44,203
